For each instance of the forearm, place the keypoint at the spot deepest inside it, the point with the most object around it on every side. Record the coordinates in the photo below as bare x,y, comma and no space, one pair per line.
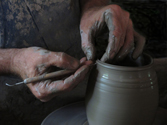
86,4
6,60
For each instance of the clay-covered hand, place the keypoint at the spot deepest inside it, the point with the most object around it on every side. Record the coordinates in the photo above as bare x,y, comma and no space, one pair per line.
122,37
34,61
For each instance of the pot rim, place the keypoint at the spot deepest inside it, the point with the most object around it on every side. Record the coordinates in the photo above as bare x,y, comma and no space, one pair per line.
127,68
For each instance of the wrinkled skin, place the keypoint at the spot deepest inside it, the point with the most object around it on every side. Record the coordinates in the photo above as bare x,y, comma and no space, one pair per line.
34,61
122,37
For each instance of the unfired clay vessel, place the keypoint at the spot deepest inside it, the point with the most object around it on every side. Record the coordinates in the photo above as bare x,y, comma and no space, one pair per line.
122,95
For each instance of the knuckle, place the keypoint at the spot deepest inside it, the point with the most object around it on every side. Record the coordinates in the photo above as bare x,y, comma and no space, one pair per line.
66,87
108,14
39,96
127,14
130,22
42,96
40,93
109,10
62,57
118,7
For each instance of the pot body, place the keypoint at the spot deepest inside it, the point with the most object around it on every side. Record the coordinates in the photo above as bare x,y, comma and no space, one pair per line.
119,95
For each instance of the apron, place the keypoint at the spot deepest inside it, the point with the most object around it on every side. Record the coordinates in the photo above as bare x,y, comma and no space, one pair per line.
50,24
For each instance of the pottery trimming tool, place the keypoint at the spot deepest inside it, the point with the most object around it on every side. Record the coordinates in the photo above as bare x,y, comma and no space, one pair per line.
44,77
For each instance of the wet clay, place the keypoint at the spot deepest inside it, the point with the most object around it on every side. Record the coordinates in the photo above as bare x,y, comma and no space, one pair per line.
122,95
41,51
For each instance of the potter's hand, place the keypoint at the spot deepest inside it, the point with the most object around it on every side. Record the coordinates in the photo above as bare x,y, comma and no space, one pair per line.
122,37
34,61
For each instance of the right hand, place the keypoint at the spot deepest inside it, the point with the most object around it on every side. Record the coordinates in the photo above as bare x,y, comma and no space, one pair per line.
35,61
122,36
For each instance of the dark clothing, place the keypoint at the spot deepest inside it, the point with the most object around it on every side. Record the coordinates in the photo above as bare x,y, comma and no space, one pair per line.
51,24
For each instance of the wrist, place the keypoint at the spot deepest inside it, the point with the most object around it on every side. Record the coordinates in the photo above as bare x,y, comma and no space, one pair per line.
6,60
17,61
87,4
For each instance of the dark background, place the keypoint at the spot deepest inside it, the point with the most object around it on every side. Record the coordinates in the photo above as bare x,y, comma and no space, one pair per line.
149,18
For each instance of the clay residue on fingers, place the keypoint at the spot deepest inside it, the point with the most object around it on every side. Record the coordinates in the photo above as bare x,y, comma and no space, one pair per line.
41,68
87,45
107,16
89,51
41,51
104,57
44,52
110,51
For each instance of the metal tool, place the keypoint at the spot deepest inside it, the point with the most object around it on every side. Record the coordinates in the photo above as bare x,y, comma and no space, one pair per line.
44,77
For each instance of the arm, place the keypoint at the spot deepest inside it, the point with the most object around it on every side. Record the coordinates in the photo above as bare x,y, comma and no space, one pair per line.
86,4
35,61
6,60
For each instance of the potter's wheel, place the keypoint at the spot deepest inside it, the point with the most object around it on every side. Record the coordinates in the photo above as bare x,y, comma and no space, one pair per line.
73,114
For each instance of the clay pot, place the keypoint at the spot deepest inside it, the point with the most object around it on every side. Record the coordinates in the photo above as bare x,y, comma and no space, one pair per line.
122,95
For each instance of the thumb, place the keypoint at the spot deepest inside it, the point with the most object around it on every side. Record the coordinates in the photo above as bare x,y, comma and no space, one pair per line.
87,44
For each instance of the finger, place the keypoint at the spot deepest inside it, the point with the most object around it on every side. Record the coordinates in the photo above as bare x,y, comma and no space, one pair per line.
128,45
127,25
84,61
140,42
114,36
40,90
78,77
63,60
110,52
87,44
70,82
47,90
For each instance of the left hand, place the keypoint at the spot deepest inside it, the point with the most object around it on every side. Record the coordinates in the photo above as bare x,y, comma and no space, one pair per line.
34,61
121,33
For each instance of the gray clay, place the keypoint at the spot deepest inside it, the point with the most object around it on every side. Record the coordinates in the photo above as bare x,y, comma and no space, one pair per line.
121,95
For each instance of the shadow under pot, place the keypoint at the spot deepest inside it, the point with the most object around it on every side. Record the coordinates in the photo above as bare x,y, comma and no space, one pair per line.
122,95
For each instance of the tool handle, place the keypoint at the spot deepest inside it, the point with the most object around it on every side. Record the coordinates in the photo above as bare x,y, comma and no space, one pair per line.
48,76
